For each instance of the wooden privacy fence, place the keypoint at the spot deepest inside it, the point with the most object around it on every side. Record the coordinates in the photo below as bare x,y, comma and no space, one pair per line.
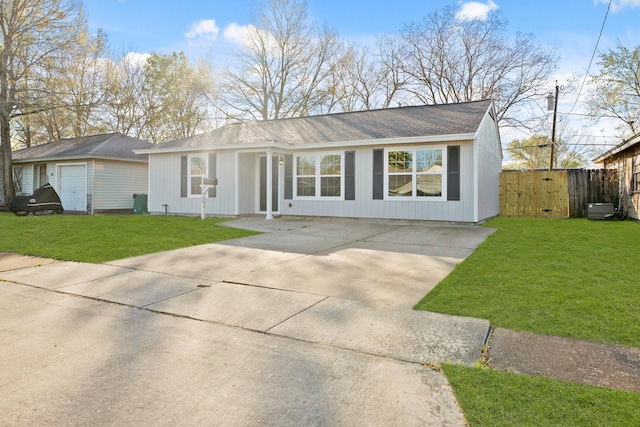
557,193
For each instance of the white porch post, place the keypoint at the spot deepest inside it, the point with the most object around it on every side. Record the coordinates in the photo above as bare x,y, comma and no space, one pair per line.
269,185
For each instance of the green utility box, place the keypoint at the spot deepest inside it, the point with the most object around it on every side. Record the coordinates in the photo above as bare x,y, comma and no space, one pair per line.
140,204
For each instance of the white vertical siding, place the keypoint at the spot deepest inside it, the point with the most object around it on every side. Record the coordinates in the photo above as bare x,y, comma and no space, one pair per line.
248,186
164,183
225,201
365,207
489,161
164,186
114,184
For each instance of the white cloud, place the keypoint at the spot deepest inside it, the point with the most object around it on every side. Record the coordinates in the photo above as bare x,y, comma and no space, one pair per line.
475,10
617,5
135,58
204,30
238,34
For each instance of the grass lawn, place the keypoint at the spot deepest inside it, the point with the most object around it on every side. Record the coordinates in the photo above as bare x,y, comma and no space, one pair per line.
98,239
574,278
492,398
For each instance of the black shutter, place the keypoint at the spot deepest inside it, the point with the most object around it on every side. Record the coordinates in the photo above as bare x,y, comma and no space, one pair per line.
378,174
350,175
288,176
184,176
212,173
453,172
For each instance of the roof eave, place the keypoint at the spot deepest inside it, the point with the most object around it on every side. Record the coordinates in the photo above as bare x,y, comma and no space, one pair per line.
80,158
618,149
271,145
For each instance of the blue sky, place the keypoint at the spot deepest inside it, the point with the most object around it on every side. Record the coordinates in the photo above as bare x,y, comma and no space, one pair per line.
162,26
203,28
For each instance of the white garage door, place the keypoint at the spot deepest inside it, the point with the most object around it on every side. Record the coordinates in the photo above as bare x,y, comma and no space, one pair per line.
73,187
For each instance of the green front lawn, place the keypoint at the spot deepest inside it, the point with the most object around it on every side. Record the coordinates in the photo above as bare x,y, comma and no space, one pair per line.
492,398
98,239
574,278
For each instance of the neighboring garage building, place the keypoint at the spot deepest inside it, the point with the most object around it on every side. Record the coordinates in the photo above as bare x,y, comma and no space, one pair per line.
625,158
94,174
429,162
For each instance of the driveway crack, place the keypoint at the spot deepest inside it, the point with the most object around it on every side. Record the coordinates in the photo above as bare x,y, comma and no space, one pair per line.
295,314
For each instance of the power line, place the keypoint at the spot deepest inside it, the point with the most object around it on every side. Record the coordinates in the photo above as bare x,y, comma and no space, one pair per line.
531,147
595,50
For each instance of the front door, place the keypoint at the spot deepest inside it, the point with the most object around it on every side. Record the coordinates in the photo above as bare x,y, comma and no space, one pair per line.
274,184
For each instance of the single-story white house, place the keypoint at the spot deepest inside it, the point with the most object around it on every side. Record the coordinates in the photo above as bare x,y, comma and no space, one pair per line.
625,158
94,174
430,162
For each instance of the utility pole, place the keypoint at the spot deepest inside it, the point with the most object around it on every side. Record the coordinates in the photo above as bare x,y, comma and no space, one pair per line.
553,127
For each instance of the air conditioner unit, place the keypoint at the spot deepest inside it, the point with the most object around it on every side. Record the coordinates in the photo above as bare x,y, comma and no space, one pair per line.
599,210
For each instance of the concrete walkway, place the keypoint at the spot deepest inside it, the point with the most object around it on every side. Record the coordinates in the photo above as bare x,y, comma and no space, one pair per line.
566,359
307,324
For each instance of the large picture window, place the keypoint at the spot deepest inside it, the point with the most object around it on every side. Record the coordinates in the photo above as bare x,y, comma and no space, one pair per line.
415,173
319,175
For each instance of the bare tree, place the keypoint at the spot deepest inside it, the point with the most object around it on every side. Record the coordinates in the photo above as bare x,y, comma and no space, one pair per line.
283,66
69,90
371,80
32,32
445,59
122,110
616,89
175,97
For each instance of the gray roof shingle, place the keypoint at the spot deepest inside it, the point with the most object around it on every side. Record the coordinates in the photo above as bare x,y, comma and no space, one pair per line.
97,146
425,120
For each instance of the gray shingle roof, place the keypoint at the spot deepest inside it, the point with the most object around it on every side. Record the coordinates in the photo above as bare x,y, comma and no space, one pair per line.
425,120
97,146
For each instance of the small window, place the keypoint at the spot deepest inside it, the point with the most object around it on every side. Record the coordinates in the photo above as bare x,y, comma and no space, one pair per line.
319,175
330,175
429,173
197,172
306,176
635,183
42,177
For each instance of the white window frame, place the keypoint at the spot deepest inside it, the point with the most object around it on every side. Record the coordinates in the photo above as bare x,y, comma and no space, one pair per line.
190,192
415,174
318,175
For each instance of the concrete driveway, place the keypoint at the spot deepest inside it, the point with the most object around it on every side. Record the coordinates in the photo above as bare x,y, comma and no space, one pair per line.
307,324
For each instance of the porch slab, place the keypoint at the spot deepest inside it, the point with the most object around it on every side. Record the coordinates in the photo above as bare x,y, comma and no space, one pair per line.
299,243
247,307
412,336
437,236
